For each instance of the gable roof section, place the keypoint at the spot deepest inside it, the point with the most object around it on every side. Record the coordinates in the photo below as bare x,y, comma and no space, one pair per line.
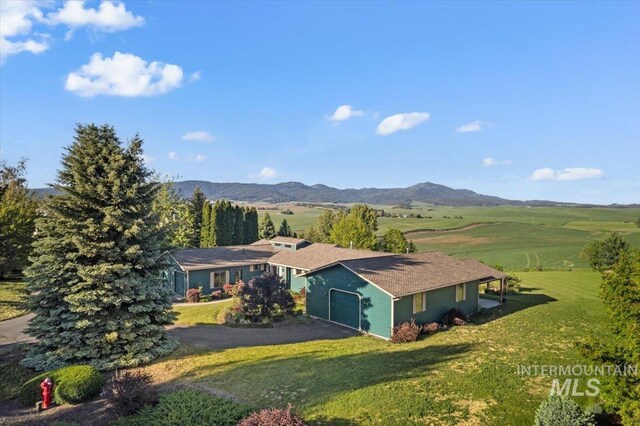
402,275
287,240
222,257
318,255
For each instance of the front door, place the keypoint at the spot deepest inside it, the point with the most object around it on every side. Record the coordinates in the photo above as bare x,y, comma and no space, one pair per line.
344,308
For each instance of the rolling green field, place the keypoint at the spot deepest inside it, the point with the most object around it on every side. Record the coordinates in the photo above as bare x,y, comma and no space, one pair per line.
519,238
467,375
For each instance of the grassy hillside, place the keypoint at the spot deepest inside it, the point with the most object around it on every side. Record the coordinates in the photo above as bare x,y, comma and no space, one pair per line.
463,376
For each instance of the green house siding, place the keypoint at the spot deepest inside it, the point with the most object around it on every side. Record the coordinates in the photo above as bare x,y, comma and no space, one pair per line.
202,278
374,304
438,302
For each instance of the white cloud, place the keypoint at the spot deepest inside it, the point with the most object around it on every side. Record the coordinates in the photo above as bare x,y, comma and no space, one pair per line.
200,136
16,20
268,173
172,156
123,75
109,17
345,112
570,173
474,126
147,159
195,76
490,162
405,121
200,157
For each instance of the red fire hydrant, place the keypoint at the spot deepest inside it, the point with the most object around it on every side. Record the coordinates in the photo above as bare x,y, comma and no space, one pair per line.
47,389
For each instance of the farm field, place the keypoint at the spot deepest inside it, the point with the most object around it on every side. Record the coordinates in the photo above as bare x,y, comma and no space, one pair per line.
463,376
12,298
518,238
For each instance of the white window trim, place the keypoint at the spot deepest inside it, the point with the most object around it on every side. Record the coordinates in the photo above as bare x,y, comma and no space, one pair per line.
424,302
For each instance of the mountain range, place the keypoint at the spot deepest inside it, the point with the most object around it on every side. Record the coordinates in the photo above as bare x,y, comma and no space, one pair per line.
427,192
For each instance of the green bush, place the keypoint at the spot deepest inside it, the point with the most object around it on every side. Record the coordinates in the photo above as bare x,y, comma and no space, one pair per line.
188,407
562,411
71,385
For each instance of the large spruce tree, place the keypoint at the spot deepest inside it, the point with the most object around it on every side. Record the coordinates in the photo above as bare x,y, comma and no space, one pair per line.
92,279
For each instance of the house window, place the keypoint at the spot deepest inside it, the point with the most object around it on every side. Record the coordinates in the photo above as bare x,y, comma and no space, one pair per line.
298,271
253,268
278,245
287,245
419,302
281,271
237,275
461,292
218,279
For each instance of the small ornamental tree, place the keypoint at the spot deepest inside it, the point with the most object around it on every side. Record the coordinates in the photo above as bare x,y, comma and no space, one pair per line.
603,254
264,297
93,279
267,228
562,411
394,241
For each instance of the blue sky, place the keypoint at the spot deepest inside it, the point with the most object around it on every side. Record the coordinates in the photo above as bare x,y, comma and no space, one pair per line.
520,100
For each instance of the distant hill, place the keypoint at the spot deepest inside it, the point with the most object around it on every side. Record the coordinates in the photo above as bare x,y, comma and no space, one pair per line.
427,192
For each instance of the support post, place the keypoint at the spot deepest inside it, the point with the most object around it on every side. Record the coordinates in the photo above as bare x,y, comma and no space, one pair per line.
503,298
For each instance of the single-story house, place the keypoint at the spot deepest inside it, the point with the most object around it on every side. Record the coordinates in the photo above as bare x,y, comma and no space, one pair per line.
364,290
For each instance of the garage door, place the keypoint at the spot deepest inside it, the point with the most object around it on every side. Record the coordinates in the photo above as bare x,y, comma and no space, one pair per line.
345,308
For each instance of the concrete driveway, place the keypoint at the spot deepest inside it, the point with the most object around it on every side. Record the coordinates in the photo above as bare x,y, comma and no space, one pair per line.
219,337
12,331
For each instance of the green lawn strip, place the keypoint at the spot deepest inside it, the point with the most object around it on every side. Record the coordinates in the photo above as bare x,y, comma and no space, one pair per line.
12,374
201,314
465,374
12,298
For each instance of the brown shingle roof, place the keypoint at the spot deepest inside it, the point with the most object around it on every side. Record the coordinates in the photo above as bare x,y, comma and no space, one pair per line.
406,274
317,255
288,240
223,257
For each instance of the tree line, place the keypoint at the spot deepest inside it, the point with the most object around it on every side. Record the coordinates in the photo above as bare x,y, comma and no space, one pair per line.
223,224
356,228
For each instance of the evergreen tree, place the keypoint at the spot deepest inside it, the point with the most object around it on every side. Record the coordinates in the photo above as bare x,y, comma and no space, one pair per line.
251,226
196,203
174,216
285,230
267,228
238,225
93,281
18,209
325,223
620,292
312,235
205,228
229,216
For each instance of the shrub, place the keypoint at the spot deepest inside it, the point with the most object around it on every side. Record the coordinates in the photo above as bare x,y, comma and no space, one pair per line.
228,289
264,297
193,295
216,294
188,407
454,316
71,385
272,417
560,410
430,328
405,332
129,392
300,296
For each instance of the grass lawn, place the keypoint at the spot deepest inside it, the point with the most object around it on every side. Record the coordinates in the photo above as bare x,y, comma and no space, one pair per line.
12,297
463,376
201,314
